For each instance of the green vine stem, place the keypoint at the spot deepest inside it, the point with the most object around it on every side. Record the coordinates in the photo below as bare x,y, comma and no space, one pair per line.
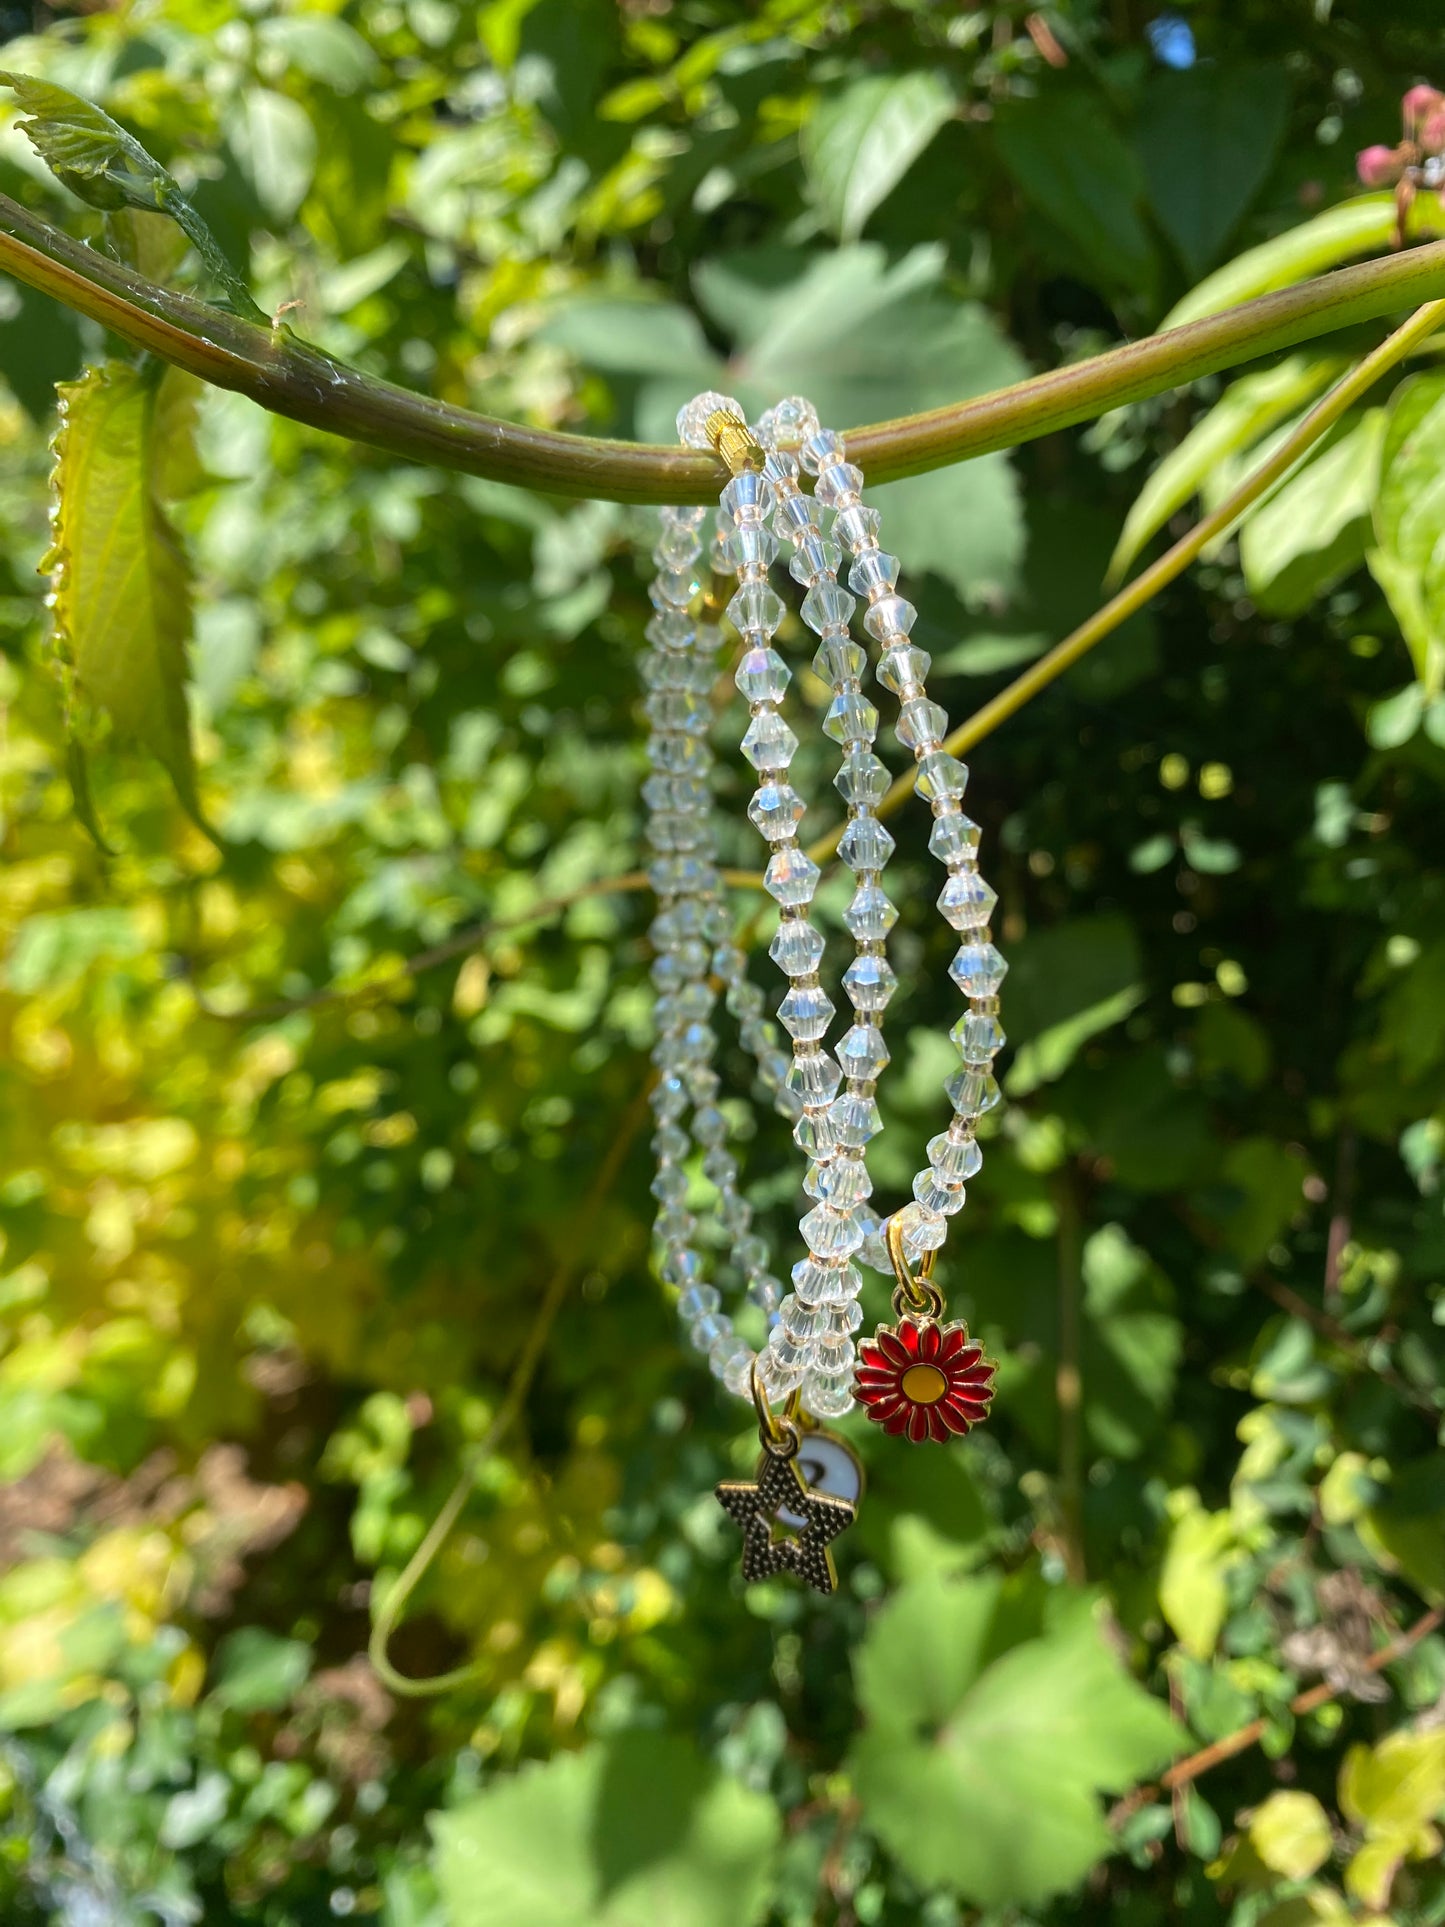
288,376
1174,561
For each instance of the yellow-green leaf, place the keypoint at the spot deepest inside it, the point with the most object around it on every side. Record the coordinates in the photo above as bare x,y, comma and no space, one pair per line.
1313,529
1317,1906
121,585
1347,1489
1247,409
1371,1873
84,148
1397,1788
1365,225
1409,563
859,145
1193,1595
1291,1834
108,168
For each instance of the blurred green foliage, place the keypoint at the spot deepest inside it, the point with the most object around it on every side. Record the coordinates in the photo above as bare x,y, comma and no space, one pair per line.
288,1160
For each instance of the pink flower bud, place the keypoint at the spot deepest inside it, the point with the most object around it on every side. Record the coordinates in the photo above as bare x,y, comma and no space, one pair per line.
1419,102
1377,166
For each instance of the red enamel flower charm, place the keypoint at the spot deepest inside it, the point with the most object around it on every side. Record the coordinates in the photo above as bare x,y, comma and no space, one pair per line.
923,1380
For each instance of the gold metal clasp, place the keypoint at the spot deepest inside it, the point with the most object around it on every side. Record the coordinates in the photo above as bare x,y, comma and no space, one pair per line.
731,437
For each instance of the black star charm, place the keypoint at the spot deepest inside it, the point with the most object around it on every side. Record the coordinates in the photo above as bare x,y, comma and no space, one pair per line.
786,1528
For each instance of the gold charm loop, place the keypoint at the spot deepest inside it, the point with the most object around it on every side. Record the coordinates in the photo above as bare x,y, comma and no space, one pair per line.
779,1437
913,1291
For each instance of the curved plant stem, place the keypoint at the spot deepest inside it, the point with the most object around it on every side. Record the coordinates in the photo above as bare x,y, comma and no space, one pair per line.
1130,599
982,723
283,373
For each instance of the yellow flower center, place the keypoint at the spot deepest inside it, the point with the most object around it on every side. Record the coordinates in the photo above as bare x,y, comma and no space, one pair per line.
924,1384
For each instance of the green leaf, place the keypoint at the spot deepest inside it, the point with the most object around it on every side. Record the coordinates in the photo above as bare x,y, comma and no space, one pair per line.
1364,225
1132,1343
320,46
1317,1906
521,1854
864,338
195,1812
963,524
1287,1371
987,653
1211,856
1403,1530
983,1774
1065,986
1130,1338
924,1514
926,1648
120,582
1155,1135
637,337
1391,723
1079,172
860,143
1049,1055
106,167
1291,1834
1261,1193
54,949
1247,409
1229,1043
1313,530
1347,1489
275,143
1409,512
84,148
87,1642
1199,1824
257,1672
1371,1872
1208,137
636,1832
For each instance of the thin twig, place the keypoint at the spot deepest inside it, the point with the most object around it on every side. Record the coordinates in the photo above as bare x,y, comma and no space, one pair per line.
388,1616
1068,1380
456,945
1173,562
1342,1199
1218,1751
290,377
1289,1300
